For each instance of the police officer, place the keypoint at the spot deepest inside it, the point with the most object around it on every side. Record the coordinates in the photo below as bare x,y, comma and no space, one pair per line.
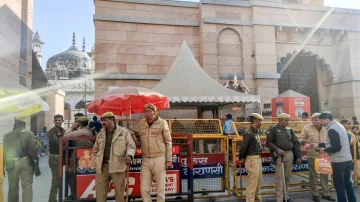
156,146
314,134
20,156
54,135
251,151
284,145
78,129
72,143
113,150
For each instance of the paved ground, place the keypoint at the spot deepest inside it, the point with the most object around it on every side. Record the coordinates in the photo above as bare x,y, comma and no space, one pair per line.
42,187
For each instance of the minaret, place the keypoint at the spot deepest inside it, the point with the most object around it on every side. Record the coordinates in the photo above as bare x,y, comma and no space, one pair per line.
37,46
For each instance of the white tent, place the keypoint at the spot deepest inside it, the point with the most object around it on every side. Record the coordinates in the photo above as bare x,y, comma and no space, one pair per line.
187,83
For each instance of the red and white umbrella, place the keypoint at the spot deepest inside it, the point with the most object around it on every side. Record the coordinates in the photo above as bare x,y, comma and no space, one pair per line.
125,101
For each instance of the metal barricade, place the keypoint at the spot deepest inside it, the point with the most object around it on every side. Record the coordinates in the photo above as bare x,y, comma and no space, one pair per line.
194,126
70,151
83,172
268,171
210,147
300,173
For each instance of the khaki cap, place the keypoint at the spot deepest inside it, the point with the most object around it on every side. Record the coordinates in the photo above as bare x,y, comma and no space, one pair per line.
257,116
83,119
283,116
108,115
315,115
150,106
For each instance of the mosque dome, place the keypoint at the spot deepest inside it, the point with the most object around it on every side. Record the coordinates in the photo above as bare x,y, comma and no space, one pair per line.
70,64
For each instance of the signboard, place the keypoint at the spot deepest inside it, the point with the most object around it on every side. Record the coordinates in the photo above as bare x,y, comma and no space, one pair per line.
267,165
294,106
85,175
205,166
299,102
85,185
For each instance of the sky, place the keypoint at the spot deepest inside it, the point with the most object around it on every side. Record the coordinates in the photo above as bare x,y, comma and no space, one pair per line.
56,20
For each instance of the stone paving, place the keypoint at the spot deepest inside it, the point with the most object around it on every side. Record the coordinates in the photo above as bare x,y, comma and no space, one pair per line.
41,187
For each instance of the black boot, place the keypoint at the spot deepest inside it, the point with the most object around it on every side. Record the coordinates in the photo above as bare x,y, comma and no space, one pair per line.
316,198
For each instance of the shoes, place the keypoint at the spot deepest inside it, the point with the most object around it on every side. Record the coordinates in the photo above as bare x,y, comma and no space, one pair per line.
329,198
316,198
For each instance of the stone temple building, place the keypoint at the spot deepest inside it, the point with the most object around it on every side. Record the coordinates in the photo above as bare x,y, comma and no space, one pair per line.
271,46
71,71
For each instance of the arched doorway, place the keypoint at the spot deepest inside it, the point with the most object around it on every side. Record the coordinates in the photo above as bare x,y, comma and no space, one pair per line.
304,73
229,54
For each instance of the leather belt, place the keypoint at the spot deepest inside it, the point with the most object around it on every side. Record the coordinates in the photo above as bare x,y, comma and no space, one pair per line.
253,156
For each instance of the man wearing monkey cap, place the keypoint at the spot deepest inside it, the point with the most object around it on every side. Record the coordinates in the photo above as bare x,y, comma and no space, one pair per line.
156,146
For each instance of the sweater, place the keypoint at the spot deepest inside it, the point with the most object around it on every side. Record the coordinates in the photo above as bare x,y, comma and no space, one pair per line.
337,143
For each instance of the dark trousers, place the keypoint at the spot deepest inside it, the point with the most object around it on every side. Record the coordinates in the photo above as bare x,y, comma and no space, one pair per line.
342,182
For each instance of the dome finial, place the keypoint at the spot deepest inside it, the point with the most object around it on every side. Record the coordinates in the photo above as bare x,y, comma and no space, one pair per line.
73,47
83,46
74,40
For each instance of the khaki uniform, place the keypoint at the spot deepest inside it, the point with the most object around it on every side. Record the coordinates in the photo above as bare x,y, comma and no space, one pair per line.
19,152
286,140
121,145
54,139
84,131
314,135
156,146
251,151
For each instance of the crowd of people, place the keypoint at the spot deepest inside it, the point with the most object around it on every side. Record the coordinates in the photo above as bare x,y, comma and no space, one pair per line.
115,146
324,136
113,151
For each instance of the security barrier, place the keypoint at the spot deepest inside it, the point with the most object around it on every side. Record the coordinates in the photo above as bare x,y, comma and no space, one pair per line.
268,170
84,172
65,161
299,172
204,127
240,128
210,147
